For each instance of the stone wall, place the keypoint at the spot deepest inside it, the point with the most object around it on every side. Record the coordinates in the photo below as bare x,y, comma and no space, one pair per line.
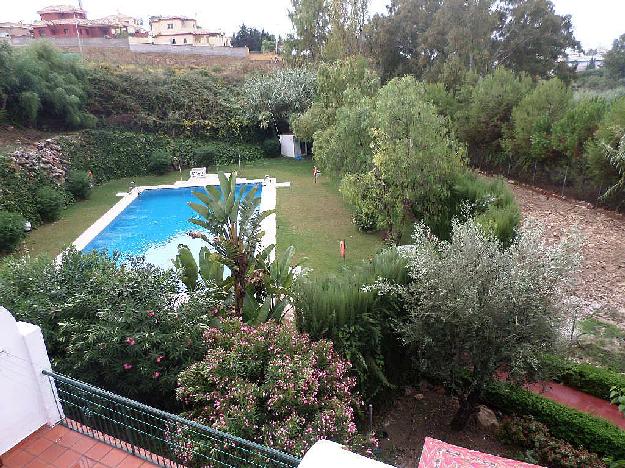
73,43
44,156
236,52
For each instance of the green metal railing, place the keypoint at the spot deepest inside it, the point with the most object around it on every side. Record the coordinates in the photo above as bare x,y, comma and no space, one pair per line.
154,435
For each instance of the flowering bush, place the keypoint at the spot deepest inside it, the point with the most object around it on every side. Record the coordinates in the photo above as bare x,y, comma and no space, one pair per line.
273,386
115,327
543,447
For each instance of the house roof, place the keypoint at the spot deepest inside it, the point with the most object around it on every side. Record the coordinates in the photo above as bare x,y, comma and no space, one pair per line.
70,22
154,19
61,9
437,453
8,24
117,19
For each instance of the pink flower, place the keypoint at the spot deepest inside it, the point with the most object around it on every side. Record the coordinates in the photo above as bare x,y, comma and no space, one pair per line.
156,375
127,366
150,313
160,358
131,341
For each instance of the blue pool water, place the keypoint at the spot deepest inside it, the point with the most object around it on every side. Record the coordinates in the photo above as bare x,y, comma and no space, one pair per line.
153,225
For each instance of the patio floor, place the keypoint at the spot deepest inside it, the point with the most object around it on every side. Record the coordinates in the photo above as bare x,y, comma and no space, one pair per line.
61,447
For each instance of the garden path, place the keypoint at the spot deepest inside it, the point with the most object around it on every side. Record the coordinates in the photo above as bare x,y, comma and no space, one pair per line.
579,400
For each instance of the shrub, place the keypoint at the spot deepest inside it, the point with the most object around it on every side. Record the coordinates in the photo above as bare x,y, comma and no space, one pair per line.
50,202
579,429
526,432
364,192
11,230
610,131
490,102
577,126
358,322
271,147
490,201
222,153
113,327
272,386
189,103
78,183
530,137
271,98
587,378
113,154
45,84
160,162
18,192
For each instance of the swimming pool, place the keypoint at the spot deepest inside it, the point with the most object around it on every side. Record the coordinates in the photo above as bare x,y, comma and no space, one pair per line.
151,223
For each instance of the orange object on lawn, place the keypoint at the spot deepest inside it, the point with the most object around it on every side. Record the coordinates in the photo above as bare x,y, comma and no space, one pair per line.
342,248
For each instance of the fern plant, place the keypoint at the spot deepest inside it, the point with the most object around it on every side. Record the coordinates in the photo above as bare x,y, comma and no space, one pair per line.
616,156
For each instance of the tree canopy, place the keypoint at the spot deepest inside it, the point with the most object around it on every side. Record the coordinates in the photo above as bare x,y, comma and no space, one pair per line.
252,38
420,37
615,59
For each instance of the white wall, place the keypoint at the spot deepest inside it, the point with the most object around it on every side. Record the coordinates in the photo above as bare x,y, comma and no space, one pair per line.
327,454
26,397
289,146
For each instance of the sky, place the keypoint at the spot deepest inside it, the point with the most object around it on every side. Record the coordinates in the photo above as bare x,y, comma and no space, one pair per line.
597,22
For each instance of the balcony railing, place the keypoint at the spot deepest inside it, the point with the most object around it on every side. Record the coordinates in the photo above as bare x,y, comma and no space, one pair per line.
154,435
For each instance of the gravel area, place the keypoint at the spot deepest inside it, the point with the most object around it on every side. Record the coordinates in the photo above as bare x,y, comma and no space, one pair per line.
602,279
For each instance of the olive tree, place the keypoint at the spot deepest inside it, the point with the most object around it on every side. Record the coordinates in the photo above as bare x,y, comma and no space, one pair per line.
475,308
271,98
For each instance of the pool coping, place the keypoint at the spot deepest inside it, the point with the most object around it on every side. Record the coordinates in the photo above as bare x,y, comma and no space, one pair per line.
267,202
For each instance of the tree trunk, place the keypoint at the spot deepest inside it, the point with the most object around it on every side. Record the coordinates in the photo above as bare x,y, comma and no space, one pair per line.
465,411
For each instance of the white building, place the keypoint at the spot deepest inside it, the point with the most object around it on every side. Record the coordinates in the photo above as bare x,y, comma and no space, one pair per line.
182,30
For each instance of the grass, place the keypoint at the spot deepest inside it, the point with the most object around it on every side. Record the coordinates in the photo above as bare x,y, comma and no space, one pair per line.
311,217
601,343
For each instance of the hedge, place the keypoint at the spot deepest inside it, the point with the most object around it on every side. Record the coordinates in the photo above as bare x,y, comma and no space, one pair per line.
114,154
587,378
579,429
18,191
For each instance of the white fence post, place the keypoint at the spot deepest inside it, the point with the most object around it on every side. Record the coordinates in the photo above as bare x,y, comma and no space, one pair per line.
27,397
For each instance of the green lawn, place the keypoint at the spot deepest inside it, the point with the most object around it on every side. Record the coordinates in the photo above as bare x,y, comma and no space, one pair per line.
311,217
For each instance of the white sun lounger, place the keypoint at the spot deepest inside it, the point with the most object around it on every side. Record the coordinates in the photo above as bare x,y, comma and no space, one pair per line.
198,172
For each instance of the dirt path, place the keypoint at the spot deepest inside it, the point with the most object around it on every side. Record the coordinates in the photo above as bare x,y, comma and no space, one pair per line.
602,279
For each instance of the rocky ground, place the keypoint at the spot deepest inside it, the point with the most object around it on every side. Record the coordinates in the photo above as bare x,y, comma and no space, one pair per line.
426,412
602,280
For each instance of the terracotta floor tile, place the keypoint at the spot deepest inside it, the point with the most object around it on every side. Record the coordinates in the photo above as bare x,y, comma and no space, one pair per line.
69,438
36,463
83,443
68,458
114,457
52,453
131,462
38,445
55,433
85,462
17,458
98,451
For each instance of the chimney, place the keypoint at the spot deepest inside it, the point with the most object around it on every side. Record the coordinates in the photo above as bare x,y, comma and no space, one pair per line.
80,4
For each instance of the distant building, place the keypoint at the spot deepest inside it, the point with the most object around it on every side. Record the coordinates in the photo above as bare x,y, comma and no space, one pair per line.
181,30
121,24
582,60
68,21
15,30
